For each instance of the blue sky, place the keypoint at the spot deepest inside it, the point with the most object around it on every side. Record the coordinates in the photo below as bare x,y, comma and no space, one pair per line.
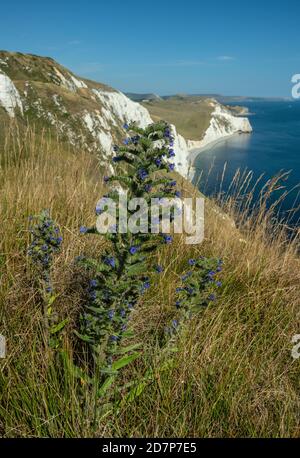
229,47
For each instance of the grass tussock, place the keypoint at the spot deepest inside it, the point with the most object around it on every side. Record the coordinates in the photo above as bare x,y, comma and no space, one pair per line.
232,374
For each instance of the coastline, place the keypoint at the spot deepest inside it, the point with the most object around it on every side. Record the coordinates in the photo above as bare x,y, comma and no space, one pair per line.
194,152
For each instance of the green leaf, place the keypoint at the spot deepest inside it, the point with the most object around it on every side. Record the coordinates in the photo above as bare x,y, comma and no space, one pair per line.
85,338
122,362
128,349
106,385
59,326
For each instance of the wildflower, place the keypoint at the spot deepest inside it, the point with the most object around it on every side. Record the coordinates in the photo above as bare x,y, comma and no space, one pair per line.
171,152
171,142
172,183
167,133
159,269
146,285
192,262
130,306
177,303
147,187
178,194
142,174
219,269
189,290
110,261
175,323
212,297
171,167
126,141
218,284
122,313
93,283
111,314
168,239
114,338
179,289
133,249
106,179
83,229
125,126
49,289
158,162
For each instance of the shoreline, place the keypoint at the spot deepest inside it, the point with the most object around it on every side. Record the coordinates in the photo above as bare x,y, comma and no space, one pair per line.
194,152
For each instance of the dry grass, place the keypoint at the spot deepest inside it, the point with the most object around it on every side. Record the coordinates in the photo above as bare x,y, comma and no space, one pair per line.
233,374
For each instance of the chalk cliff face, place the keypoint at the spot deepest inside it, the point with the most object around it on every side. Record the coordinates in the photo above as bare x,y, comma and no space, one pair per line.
222,124
88,114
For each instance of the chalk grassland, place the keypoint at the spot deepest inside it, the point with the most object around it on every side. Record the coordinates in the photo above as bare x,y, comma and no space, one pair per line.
233,374
190,115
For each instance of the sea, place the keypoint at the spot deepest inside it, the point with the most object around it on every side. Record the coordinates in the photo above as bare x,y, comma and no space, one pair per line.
272,148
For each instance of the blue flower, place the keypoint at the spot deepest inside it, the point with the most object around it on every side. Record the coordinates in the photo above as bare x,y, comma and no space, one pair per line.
146,285
106,179
212,297
178,194
83,229
159,269
122,313
111,314
126,141
117,159
171,152
171,142
133,249
192,262
218,284
49,289
168,239
114,338
171,167
167,132
175,323
177,303
125,126
158,162
98,209
219,269
93,283
130,306
110,261
147,187
142,174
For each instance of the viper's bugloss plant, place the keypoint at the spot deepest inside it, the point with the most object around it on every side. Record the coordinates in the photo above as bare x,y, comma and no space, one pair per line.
120,273
45,244
196,291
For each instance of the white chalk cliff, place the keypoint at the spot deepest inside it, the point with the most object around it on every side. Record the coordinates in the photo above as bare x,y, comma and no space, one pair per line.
100,111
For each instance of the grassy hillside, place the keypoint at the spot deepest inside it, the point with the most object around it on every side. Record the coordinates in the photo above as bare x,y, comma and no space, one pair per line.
191,115
232,374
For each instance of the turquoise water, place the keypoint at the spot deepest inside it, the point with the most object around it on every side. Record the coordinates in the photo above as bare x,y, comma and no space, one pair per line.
274,145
